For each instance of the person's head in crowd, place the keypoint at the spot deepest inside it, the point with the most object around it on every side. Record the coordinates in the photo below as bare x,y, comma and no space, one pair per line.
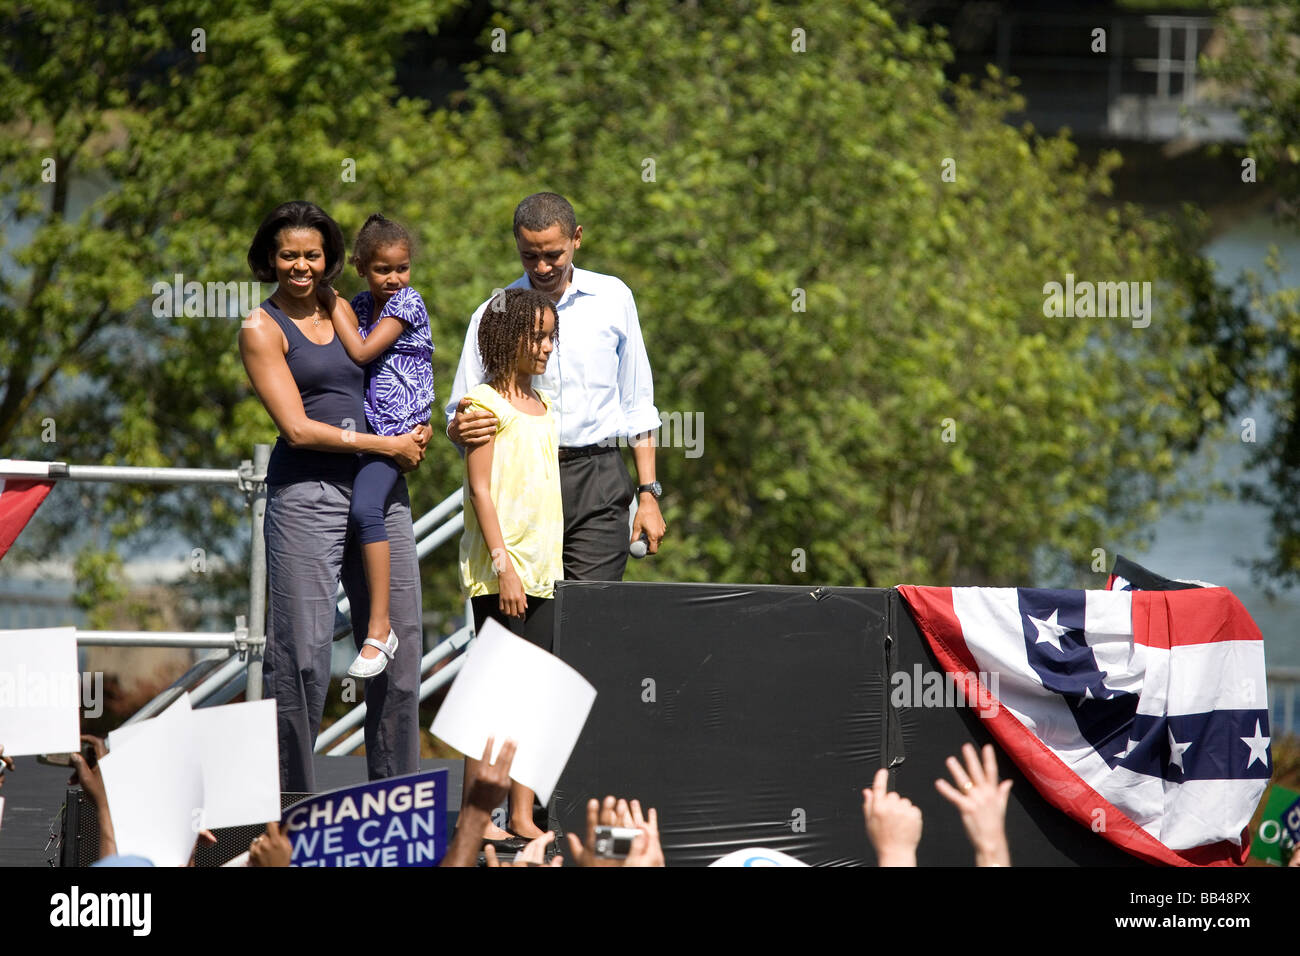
128,860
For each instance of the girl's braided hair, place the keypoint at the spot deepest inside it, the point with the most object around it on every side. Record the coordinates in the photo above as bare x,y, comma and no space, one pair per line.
509,320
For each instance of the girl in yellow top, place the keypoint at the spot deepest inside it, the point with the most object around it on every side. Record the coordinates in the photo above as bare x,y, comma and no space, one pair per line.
512,550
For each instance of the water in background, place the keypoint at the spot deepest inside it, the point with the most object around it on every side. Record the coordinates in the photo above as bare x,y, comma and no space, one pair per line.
1216,542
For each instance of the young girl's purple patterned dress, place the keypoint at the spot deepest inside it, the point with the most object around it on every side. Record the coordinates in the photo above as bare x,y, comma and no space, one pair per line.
399,384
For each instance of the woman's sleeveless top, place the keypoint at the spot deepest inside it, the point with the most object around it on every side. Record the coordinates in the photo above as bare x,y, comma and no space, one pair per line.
331,386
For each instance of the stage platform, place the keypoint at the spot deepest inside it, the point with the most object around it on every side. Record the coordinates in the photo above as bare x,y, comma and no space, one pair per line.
747,715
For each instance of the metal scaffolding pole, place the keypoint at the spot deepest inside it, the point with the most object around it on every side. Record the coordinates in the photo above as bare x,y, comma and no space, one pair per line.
423,547
218,678
191,679
354,717
228,671
195,639
445,507
256,488
427,687
125,474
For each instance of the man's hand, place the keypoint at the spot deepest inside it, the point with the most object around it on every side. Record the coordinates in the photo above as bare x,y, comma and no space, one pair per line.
492,784
532,855
982,802
271,848
483,794
206,837
598,814
472,425
649,520
893,823
92,781
646,849
8,763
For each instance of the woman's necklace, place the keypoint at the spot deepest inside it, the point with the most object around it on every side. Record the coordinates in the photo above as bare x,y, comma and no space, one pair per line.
315,318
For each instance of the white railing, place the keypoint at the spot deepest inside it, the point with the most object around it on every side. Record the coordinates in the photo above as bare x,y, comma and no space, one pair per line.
235,665
247,642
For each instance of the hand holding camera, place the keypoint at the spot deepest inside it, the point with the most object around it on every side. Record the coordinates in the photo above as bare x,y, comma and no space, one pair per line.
618,834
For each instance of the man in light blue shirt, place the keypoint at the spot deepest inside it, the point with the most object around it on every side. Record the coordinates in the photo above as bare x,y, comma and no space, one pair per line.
600,385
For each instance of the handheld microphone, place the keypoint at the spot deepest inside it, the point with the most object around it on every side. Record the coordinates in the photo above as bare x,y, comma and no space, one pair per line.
639,547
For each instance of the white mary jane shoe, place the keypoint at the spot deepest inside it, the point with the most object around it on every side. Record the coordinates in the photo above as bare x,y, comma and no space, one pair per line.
374,666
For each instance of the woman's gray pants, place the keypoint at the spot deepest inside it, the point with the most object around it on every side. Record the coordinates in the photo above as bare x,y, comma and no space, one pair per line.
308,549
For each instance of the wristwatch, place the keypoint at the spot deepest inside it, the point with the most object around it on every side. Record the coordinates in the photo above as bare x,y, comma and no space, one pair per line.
654,488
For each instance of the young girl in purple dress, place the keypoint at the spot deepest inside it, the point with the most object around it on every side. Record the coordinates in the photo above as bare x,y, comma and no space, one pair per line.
386,330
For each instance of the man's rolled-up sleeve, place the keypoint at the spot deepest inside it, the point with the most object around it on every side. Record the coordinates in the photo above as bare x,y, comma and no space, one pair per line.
469,370
635,384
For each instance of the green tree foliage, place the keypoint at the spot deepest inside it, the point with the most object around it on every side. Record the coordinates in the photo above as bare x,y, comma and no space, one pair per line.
1259,68
776,170
729,162
170,130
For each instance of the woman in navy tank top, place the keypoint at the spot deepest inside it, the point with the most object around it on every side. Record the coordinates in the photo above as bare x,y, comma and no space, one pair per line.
314,393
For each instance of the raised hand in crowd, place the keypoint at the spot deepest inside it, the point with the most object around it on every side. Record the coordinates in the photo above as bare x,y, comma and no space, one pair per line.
206,837
532,855
271,848
646,849
93,783
982,802
6,763
486,791
893,823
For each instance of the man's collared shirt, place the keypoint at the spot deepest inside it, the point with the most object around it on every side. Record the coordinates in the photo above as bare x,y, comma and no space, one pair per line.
598,378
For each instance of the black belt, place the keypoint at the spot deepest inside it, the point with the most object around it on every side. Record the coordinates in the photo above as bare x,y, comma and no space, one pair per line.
586,451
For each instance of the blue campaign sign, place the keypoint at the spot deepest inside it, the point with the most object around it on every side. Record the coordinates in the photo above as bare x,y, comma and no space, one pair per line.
401,821
1291,822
